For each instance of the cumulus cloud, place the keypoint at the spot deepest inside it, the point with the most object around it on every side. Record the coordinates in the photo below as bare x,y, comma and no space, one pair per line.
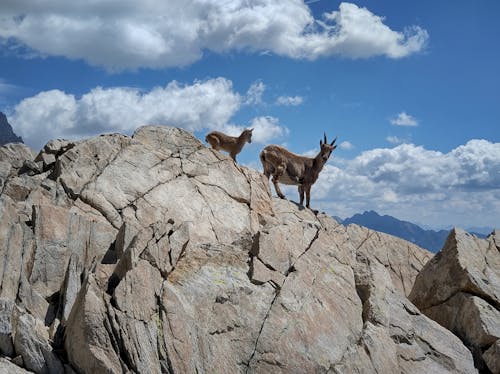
404,119
417,184
154,34
267,128
203,105
289,100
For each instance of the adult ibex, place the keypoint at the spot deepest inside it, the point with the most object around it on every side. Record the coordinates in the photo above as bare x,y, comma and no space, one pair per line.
288,168
231,144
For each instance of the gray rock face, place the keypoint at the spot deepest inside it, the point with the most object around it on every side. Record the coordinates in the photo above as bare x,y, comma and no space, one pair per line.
460,289
154,254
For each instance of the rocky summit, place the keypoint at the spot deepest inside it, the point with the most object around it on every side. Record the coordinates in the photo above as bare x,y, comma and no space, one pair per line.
155,254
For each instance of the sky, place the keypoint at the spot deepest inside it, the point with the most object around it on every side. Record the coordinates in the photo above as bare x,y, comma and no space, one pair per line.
411,90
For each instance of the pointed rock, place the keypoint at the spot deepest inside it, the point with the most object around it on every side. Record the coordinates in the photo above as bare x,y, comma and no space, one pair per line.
460,289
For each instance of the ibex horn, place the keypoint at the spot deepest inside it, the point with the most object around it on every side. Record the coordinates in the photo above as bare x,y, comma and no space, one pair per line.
325,138
334,140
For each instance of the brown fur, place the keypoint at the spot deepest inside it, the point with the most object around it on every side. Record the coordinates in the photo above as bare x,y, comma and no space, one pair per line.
289,168
231,144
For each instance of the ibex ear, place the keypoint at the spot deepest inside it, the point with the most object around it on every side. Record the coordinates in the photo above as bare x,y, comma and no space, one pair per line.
250,130
321,143
334,140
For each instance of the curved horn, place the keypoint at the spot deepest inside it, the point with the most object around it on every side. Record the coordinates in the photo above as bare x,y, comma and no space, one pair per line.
334,140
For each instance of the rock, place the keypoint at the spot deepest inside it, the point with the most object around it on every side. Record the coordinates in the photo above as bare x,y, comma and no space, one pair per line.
14,154
465,263
12,158
46,159
31,300
59,233
85,161
32,167
396,337
460,289
87,337
7,367
153,253
402,258
6,344
492,357
313,309
32,344
211,313
146,281
71,286
58,146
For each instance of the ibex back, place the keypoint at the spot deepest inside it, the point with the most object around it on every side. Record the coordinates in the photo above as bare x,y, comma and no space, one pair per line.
231,144
289,168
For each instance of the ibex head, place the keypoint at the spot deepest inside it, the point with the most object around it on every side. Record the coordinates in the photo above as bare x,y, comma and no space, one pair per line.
247,135
326,149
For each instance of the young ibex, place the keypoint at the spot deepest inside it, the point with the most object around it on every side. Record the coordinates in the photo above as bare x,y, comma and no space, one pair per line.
288,168
227,143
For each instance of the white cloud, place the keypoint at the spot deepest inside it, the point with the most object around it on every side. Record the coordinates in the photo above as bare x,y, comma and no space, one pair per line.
310,153
204,105
7,91
395,140
461,187
129,34
267,128
6,88
254,93
289,100
404,119
346,145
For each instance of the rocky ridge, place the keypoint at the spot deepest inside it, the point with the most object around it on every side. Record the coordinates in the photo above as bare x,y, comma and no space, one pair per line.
155,254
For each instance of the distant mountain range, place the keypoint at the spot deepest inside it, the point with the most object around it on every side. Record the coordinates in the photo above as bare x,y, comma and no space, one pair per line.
429,239
6,133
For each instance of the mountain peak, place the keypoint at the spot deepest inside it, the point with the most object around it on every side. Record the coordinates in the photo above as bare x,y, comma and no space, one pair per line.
7,135
428,239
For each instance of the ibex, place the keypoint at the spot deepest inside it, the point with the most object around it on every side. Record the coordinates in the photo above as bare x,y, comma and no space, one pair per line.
288,168
227,143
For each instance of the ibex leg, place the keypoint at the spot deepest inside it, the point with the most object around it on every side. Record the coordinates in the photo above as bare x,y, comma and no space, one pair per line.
301,195
276,176
308,194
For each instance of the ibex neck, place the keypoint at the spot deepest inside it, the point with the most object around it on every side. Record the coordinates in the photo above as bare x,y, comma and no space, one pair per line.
318,162
317,166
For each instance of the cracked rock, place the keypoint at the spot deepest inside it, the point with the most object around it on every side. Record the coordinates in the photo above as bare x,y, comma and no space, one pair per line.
155,254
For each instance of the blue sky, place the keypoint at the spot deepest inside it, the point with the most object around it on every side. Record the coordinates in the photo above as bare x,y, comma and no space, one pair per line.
411,89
